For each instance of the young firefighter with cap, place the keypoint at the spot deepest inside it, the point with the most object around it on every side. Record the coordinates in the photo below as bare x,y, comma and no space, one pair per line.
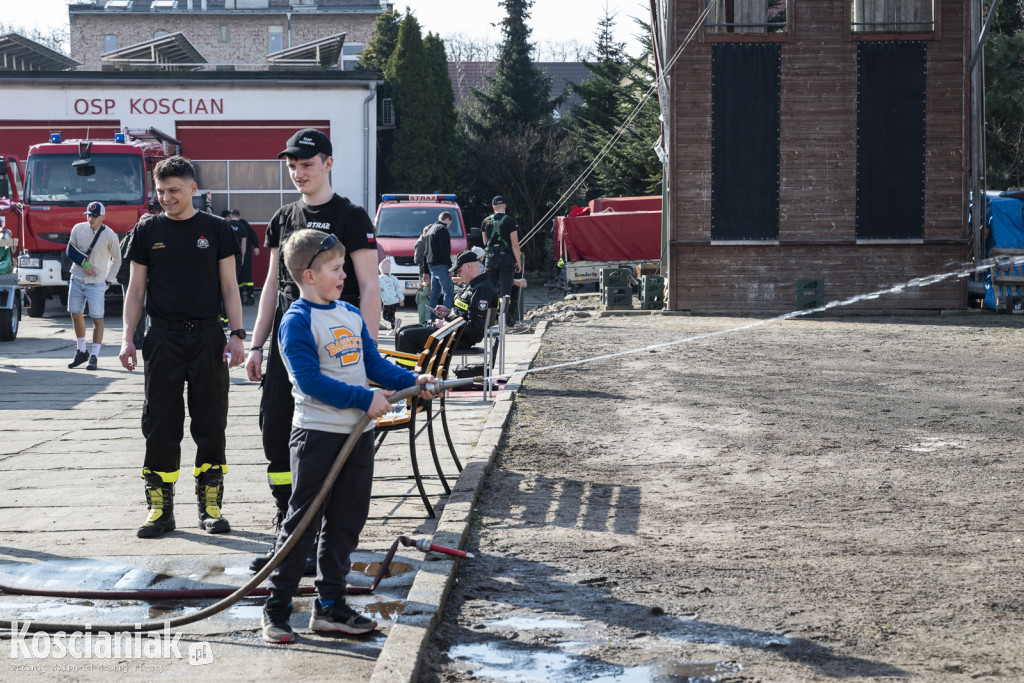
308,156
96,257
500,233
183,266
470,303
330,356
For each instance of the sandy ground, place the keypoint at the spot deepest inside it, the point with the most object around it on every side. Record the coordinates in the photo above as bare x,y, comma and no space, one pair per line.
801,500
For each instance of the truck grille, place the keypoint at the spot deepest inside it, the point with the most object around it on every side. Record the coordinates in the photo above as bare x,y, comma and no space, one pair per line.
59,237
404,261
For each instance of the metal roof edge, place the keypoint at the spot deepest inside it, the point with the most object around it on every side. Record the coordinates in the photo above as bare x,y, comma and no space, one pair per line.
290,78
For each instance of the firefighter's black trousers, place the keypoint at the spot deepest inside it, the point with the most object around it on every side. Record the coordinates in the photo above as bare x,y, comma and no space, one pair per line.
177,355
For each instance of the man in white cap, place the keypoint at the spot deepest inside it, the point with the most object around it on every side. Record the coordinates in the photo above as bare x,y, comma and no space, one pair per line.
96,257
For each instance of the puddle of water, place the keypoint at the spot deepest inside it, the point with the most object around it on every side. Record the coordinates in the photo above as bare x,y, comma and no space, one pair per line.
371,568
250,612
55,611
504,664
673,672
517,665
169,611
387,611
533,623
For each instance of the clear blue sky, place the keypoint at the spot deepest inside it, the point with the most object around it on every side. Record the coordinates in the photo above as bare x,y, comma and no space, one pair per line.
551,20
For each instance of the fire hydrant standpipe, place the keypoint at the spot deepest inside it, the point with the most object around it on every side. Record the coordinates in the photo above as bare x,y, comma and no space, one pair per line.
250,588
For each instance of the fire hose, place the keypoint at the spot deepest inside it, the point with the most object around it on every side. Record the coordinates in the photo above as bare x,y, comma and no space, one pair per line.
231,596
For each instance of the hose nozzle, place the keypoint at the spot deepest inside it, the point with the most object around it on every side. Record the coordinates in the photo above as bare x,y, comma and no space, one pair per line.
437,387
425,546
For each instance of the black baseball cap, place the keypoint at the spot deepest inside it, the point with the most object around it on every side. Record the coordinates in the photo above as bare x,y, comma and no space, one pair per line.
306,144
497,200
468,256
95,209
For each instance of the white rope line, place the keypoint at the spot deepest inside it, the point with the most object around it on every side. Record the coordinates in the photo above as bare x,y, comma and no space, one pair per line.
895,289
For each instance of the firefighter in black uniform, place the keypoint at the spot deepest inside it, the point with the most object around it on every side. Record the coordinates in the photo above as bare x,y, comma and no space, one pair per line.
500,233
252,248
183,267
470,303
308,156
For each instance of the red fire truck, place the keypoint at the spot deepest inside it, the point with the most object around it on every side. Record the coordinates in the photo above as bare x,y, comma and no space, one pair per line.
400,221
61,178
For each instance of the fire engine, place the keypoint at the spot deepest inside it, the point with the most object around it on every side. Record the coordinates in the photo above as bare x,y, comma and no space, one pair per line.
400,222
61,178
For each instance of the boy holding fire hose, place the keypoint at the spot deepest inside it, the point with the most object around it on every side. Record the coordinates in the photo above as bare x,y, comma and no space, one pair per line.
330,356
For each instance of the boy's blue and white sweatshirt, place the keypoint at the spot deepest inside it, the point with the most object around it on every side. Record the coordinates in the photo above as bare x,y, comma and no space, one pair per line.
329,356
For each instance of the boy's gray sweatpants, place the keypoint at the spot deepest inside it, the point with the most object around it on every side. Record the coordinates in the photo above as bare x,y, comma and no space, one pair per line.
342,515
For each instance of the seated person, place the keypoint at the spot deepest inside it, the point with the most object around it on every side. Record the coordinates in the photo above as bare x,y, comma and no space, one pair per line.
128,184
471,303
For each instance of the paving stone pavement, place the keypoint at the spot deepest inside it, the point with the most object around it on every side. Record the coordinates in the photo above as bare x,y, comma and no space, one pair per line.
71,499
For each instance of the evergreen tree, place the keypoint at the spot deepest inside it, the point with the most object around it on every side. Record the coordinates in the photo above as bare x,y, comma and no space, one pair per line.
519,93
617,86
414,153
602,95
1004,97
631,168
440,84
424,156
375,57
382,45
530,168
513,144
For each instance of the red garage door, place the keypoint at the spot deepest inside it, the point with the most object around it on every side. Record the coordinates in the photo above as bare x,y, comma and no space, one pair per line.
237,164
17,136
239,139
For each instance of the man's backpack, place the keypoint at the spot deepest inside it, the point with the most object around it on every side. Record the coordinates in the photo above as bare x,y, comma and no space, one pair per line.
496,237
419,252
124,272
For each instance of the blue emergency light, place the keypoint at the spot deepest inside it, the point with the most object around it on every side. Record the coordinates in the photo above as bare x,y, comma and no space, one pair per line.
119,137
435,197
55,137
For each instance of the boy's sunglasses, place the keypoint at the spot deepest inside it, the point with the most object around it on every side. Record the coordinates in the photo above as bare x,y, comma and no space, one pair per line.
326,244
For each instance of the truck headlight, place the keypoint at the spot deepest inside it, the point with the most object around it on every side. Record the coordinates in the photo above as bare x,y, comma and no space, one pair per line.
30,262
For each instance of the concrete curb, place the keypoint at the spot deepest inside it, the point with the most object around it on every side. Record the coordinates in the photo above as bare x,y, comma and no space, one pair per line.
399,660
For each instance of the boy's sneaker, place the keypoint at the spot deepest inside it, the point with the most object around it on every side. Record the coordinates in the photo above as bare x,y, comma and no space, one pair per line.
80,357
92,363
339,617
276,621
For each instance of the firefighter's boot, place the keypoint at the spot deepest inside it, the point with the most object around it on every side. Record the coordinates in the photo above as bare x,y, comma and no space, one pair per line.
210,495
160,498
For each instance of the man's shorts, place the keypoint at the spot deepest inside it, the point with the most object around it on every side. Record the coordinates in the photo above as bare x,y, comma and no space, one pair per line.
80,293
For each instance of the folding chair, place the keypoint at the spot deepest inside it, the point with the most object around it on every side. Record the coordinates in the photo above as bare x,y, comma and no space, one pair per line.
403,417
492,332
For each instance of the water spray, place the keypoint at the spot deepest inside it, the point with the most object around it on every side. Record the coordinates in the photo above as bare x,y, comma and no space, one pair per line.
231,596
1003,261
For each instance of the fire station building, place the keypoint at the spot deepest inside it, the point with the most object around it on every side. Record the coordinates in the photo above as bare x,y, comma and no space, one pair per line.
231,125
231,80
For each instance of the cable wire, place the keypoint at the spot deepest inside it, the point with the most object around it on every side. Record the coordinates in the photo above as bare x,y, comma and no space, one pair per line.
691,34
